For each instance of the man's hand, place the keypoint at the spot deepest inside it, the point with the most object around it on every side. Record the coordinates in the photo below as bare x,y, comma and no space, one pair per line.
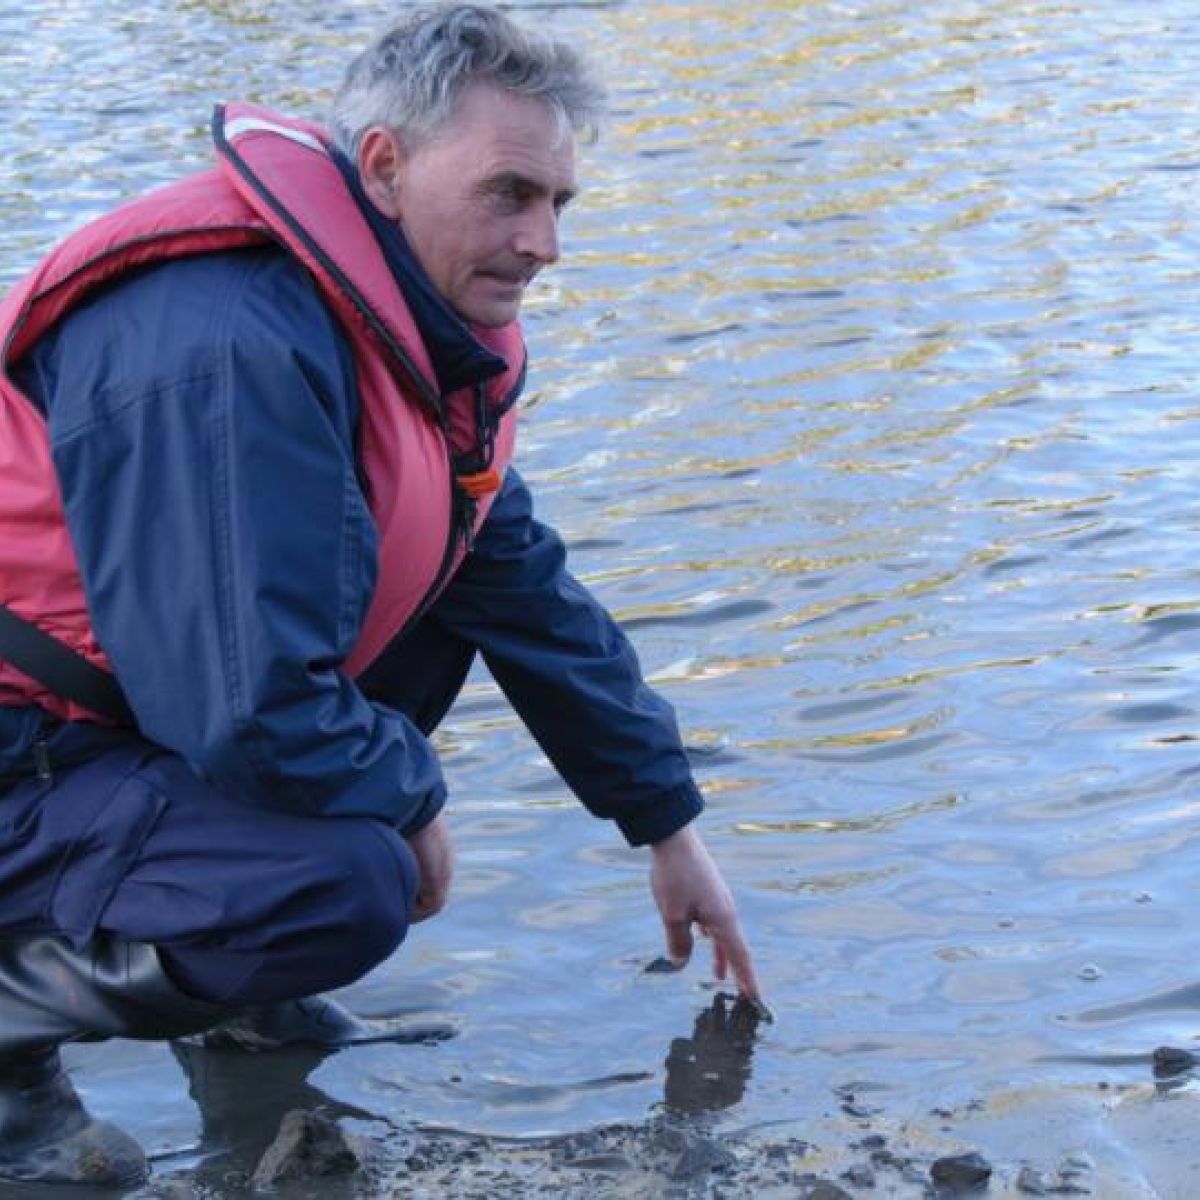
434,852
688,889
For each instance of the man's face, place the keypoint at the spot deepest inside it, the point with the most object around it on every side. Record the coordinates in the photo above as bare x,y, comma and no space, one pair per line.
480,201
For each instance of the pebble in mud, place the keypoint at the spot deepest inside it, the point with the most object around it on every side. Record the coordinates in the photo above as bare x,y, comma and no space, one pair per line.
308,1145
859,1176
663,966
853,1105
961,1170
1172,1060
873,1141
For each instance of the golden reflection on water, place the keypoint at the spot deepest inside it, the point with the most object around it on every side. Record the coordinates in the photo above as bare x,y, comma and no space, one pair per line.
874,823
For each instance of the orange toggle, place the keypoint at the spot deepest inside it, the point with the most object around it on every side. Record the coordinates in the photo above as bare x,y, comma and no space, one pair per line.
482,483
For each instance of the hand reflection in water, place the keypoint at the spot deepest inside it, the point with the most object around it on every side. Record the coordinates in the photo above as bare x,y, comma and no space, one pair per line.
709,1071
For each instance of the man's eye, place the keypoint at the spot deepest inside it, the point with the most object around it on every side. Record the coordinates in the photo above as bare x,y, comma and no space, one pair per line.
510,196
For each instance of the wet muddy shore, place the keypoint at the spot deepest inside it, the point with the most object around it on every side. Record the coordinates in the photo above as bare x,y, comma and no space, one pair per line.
1112,1143
1130,1137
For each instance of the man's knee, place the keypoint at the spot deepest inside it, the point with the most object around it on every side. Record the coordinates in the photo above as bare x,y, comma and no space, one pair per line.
370,896
346,906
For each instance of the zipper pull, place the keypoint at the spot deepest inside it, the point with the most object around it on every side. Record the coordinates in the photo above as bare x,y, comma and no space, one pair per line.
41,762
468,506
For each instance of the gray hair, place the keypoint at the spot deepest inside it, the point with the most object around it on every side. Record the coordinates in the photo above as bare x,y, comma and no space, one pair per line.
412,77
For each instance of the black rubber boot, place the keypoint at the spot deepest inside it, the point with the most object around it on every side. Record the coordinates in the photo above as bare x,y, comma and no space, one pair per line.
49,994
316,1021
47,1136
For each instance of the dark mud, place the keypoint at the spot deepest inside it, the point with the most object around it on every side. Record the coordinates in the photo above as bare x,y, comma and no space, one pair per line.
1119,1141
664,1157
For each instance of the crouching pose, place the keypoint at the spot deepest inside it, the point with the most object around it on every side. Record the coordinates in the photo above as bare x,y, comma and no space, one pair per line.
257,517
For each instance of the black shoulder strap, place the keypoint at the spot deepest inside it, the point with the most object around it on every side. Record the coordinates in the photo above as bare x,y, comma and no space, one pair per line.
59,668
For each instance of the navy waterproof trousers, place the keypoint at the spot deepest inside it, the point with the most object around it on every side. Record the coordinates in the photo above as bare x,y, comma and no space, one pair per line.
246,906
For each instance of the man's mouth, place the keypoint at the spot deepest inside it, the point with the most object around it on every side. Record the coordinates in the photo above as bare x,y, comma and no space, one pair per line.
510,278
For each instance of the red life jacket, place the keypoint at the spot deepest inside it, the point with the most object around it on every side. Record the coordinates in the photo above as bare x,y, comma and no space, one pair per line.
274,183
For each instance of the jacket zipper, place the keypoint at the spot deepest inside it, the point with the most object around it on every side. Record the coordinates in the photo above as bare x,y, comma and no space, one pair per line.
462,525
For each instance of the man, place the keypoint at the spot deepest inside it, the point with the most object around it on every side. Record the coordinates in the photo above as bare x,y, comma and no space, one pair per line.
258,518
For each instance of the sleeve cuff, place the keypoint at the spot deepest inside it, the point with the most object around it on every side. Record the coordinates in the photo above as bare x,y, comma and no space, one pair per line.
669,814
430,807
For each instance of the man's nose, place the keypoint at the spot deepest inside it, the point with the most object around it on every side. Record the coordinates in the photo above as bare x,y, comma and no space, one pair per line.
538,236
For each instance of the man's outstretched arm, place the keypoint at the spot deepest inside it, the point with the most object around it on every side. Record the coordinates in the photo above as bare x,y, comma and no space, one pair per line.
574,678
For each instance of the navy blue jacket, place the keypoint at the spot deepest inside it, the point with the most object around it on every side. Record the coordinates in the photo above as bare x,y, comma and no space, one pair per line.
203,419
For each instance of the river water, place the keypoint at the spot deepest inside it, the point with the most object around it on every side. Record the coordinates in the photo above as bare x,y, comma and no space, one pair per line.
865,397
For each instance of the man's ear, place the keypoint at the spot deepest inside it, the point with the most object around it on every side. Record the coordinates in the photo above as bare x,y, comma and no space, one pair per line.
380,167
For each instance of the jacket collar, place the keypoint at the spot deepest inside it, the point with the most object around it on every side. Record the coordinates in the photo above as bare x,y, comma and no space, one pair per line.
459,358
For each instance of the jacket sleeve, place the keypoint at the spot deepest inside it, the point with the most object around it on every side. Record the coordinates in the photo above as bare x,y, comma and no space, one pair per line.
570,673
202,418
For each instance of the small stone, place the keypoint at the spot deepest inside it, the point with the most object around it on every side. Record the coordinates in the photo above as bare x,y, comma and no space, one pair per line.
961,1170
663,966
824,1190
757,1010
860,1176
1033,1183
861,1112
308,1145
1172,1060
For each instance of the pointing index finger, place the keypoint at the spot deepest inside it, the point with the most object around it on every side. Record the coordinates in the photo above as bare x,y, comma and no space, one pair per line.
731,947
